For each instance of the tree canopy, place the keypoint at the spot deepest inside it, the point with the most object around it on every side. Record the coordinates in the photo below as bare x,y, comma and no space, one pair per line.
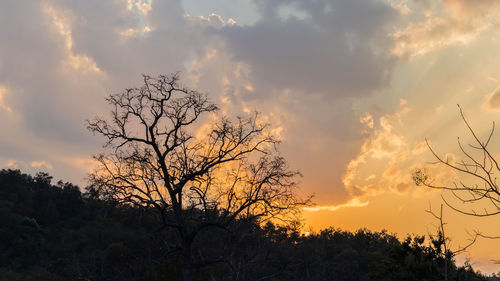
195,173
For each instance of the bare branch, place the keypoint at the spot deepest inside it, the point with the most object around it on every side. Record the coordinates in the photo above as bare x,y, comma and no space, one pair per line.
156,158
482,169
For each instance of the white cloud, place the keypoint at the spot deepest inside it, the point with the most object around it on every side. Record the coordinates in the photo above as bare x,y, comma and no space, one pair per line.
353,203
385,160
460,22
143,6
213,20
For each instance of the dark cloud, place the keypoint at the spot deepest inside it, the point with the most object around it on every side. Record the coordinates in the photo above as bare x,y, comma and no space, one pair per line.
339,50
99,30
52,97
30,56
64,57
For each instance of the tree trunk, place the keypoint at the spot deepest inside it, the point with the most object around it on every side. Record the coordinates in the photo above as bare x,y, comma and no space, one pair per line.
187,267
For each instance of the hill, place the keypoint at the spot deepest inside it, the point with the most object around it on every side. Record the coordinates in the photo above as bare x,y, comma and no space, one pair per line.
56,232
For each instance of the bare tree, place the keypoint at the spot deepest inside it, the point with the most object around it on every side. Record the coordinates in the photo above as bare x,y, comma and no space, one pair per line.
159,155
442,242
477,163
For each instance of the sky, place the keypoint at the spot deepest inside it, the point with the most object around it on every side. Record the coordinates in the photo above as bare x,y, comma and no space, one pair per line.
353,88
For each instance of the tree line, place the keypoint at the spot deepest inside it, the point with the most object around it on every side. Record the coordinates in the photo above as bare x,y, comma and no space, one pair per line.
55,232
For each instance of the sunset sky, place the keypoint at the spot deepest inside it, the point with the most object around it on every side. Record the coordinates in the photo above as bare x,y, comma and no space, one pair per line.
353,87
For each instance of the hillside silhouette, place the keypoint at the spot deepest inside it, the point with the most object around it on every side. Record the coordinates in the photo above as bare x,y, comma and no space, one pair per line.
56,232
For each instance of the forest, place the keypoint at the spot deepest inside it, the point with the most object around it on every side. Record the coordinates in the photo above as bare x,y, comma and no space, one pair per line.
56,232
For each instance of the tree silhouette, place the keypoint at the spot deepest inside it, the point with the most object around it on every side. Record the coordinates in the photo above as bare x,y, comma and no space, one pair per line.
441,242
479,164
163,154
96,239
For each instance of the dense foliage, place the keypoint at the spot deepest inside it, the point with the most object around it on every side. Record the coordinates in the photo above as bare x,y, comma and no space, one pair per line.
54,232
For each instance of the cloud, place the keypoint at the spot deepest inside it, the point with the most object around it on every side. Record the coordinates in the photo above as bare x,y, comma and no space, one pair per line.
3,103
336,51
213,21
52,103
494,99
468,9
30,167
401,6
385,160
325,134
353,203
302,63
144,7
459,23
305,63
62,26
75,53
40,164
